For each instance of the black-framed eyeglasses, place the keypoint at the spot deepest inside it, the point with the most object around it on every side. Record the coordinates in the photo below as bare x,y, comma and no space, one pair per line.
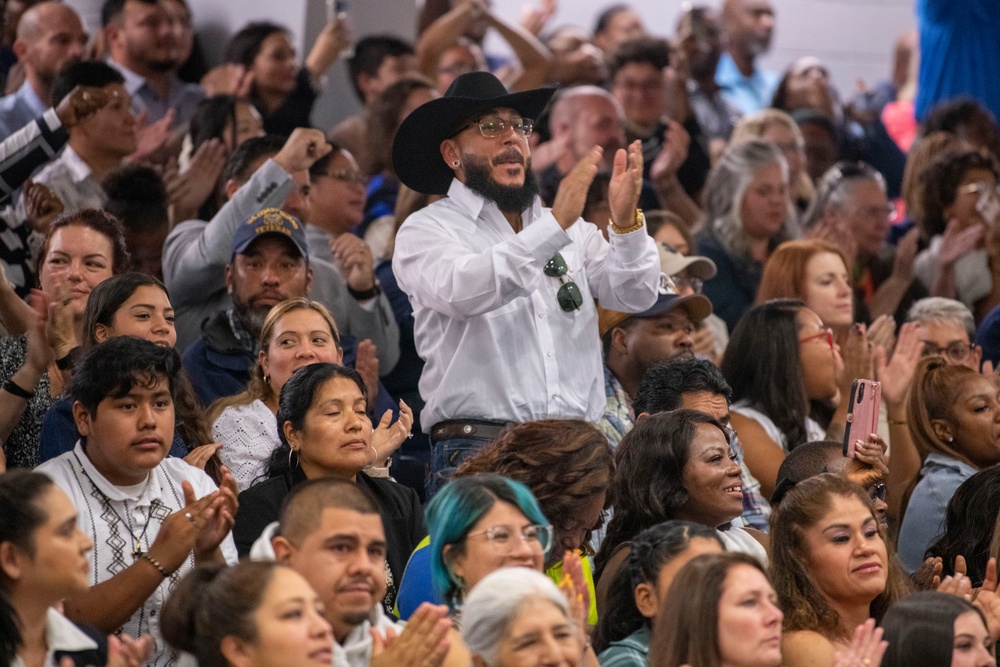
492,127
877,492
569,296
956,353
503,538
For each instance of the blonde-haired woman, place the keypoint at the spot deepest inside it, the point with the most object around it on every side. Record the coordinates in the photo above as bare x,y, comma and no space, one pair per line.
297,332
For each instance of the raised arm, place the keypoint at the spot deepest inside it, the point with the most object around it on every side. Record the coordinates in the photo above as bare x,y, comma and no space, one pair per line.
535,57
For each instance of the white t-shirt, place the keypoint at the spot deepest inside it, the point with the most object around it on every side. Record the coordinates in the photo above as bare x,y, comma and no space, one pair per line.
102,507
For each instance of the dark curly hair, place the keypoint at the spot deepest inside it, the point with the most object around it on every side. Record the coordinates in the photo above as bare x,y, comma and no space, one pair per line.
940,185
566,463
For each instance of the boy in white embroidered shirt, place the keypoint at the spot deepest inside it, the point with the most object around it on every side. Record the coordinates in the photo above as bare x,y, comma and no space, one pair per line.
152,518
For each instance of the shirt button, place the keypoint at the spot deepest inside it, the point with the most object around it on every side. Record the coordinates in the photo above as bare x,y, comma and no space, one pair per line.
548,354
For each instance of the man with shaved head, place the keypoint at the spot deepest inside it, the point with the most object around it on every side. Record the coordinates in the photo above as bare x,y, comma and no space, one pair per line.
49,36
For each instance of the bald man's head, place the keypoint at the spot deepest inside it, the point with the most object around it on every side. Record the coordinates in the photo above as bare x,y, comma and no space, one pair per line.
588,116
49,37
748,26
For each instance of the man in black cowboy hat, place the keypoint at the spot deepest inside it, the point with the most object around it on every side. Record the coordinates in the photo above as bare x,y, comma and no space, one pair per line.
503,289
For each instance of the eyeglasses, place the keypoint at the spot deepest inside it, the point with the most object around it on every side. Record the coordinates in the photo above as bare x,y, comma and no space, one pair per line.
694,284
351,176
731,434
492,127
825,334
877,492
955,353
979,188
503,537
568,296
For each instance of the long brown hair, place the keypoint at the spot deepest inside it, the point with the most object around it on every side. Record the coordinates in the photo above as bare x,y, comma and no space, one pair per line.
686,631
805,606
566,463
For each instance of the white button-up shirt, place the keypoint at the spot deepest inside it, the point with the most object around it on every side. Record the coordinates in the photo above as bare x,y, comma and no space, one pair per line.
488,324
101,507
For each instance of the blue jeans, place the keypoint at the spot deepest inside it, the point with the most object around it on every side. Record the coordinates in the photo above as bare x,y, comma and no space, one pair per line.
446,456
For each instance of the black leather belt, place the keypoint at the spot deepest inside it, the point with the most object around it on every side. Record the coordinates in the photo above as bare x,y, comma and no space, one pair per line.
467,428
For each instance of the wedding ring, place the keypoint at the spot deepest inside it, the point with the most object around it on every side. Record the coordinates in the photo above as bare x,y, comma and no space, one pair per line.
188,516
409,435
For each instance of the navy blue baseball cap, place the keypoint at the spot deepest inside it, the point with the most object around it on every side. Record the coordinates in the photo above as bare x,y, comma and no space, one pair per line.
271,221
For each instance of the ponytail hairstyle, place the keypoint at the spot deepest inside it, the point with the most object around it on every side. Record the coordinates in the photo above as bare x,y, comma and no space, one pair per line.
213,602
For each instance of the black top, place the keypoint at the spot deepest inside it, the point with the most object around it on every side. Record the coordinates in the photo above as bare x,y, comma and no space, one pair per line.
402,518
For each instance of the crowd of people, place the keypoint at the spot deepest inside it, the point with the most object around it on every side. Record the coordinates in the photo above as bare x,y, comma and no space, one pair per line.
548,358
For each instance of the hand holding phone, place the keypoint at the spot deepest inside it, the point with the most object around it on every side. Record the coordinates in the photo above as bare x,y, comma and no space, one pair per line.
863,413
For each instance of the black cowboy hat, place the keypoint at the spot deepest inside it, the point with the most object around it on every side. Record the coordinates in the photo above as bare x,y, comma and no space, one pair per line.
416,150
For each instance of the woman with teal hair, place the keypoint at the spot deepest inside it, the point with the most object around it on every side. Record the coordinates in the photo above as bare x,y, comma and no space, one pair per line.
479,524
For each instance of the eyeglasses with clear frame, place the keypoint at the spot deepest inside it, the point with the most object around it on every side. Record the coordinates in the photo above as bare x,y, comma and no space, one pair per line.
825,334
492,127
502,538
686,281
350,176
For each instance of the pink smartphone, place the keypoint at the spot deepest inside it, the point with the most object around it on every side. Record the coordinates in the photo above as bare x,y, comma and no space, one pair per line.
862,416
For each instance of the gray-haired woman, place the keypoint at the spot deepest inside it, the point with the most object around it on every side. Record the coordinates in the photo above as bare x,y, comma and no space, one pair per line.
517,617
748,213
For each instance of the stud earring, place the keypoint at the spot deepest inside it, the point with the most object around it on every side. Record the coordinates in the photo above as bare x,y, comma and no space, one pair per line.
455,163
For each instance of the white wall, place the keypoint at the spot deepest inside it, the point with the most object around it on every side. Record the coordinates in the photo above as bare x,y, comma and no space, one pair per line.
854,37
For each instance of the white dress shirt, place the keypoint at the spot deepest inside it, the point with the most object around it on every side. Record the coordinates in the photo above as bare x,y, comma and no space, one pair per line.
488,324
101,507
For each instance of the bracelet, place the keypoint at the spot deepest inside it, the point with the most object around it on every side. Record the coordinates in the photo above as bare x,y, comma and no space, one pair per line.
155,563
362,295
67,362
636,225
12,387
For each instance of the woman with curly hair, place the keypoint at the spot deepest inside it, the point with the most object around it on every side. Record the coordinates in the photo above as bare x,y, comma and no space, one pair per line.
568,466
830,567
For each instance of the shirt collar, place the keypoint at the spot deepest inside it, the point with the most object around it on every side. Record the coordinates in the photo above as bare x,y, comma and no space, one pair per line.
945,461
79,171
27,93
728,74
243,337
133,81
474,203
149,491
63,635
